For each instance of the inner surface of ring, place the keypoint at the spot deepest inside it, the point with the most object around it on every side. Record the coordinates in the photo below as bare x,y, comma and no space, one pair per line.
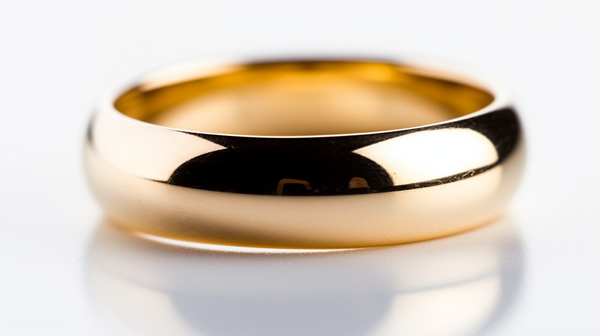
300,98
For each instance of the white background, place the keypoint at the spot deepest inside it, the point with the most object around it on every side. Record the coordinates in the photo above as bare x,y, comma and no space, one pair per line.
58,57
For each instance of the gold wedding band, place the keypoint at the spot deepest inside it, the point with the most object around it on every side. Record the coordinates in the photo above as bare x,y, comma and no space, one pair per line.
304,153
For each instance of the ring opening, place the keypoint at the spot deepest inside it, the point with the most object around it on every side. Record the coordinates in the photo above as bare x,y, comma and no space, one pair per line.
301,98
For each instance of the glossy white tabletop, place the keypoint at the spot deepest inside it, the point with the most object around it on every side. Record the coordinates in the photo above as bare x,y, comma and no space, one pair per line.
65,271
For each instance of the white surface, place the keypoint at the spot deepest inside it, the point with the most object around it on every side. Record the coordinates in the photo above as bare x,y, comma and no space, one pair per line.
58,57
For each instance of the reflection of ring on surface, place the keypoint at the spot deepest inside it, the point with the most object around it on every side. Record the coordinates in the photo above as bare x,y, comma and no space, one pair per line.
304,153
459,285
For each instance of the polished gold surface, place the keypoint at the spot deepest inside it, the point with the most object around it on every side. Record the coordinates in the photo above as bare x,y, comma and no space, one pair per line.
310,154
304,98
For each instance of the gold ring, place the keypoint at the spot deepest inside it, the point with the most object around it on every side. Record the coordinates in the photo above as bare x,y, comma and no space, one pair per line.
304,153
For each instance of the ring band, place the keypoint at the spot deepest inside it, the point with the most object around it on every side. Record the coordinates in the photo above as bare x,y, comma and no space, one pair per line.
304,153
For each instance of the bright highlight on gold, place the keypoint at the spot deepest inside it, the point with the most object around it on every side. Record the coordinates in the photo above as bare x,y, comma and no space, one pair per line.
304,154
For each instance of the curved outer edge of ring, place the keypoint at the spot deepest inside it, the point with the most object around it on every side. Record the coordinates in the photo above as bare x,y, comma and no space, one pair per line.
499,104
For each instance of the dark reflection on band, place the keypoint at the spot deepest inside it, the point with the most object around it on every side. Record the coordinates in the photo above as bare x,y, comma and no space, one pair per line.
328,165
459,285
